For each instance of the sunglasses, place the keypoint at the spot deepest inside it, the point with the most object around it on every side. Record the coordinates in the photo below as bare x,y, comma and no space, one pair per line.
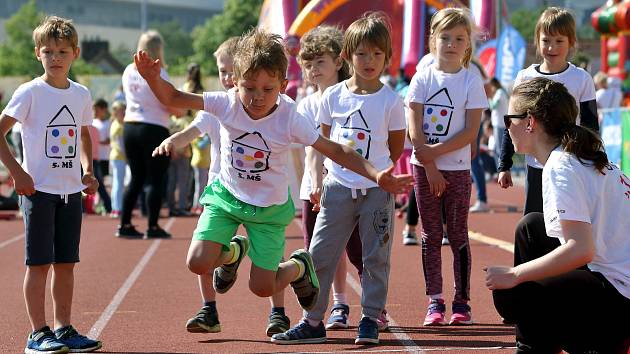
507,119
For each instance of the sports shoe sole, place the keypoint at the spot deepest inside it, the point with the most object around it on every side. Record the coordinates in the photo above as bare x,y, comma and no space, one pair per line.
244,248
366,341
434,323
33,351
410,241
337,325
86,350
196,327
460,323
299,341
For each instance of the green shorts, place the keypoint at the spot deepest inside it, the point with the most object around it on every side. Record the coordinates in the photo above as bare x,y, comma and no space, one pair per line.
223,213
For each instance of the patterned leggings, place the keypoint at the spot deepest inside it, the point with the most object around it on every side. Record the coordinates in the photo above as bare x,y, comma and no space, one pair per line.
456,201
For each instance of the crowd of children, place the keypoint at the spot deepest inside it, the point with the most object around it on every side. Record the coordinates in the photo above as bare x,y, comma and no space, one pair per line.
355,129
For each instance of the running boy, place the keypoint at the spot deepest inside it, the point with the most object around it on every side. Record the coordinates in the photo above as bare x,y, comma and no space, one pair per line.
55,113
258,125
207,319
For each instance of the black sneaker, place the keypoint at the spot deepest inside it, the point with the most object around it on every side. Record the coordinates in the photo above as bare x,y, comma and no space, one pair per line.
128,231
44,341
368,332
307,287
156,232
205,321
278,323
225,275
303,333
76,342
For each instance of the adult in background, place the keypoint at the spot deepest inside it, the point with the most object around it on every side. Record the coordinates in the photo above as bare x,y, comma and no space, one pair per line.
572,259
145,127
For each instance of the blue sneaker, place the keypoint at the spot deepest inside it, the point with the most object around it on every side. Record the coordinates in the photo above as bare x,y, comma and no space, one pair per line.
338,317
303,333
368,332
76,342
225,275
44,341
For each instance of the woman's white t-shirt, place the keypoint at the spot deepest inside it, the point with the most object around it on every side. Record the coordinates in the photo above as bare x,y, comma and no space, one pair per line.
142,105
445,98
578,192
255,153
362,122
51,121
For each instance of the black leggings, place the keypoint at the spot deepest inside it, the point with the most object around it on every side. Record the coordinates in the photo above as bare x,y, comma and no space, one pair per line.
146,171
533,191
412,209
574,311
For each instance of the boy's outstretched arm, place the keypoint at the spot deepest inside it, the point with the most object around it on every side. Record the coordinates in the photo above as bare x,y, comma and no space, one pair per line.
165,92
23,182
347,157
177,141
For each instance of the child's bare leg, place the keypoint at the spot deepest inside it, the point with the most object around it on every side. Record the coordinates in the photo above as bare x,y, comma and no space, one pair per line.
34,289
62,286
205,287
204,256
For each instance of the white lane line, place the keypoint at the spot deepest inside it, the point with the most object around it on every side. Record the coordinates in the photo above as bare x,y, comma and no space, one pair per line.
467,349
11,240
504,245
109,311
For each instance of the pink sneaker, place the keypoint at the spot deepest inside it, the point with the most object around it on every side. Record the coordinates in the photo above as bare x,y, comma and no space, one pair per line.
382,321
436,313
461,315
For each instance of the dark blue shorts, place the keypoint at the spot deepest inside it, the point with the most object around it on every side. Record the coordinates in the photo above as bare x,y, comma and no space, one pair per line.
53,227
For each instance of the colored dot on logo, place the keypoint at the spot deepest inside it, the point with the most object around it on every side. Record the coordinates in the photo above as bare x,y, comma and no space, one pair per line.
433,119
429,110
70,149
345,134
258,164
239,163
439,127
249,158
361,136
426,126
259,155
240,150
443,112
360,151
55,132
54,149
350,143
64,141
71,132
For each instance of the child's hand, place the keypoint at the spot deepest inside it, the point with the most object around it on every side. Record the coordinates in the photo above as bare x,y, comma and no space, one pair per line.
165,148
499,277
437,182
90,182
505,179
147,67
394,184
315,196
425,153
23,183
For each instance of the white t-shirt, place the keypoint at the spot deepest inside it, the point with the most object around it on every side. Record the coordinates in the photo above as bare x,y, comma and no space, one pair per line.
608,98
498,108
103,134
142,105
362,122
207,124
255,153
577,192
446,97
578,82
429,59
51,131
308,108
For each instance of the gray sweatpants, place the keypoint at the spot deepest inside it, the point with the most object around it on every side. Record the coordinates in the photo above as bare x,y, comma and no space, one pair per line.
339,213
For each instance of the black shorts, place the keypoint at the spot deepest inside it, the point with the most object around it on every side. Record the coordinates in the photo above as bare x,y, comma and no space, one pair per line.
52,226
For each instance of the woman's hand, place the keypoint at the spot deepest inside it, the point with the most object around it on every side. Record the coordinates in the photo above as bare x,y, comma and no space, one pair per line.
500,277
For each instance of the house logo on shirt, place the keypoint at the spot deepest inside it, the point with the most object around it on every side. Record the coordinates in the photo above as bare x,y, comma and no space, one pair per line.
61,138
438,111
250,153
355,133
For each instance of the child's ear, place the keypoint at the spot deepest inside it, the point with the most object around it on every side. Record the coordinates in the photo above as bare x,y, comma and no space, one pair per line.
283,85
77,53
37,54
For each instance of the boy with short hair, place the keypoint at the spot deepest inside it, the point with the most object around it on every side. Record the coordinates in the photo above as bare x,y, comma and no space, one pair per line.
55,113
258,125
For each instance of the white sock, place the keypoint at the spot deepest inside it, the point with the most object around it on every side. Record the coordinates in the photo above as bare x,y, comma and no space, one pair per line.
312,323
436,296
339,299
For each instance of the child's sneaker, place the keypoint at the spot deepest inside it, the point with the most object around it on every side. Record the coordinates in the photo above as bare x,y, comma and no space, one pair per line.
436,313
76,342
338,317
382,321
128,231
303,333
278,323
409,238
205,321
44,341
225,275
307,287
461,314
367,332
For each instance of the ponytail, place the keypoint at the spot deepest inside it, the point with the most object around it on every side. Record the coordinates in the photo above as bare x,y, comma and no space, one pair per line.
585,145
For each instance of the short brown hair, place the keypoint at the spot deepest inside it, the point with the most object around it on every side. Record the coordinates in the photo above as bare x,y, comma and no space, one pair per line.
556,21
57,28
372,28
323,40
228,47
447,19
151,42
258,49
